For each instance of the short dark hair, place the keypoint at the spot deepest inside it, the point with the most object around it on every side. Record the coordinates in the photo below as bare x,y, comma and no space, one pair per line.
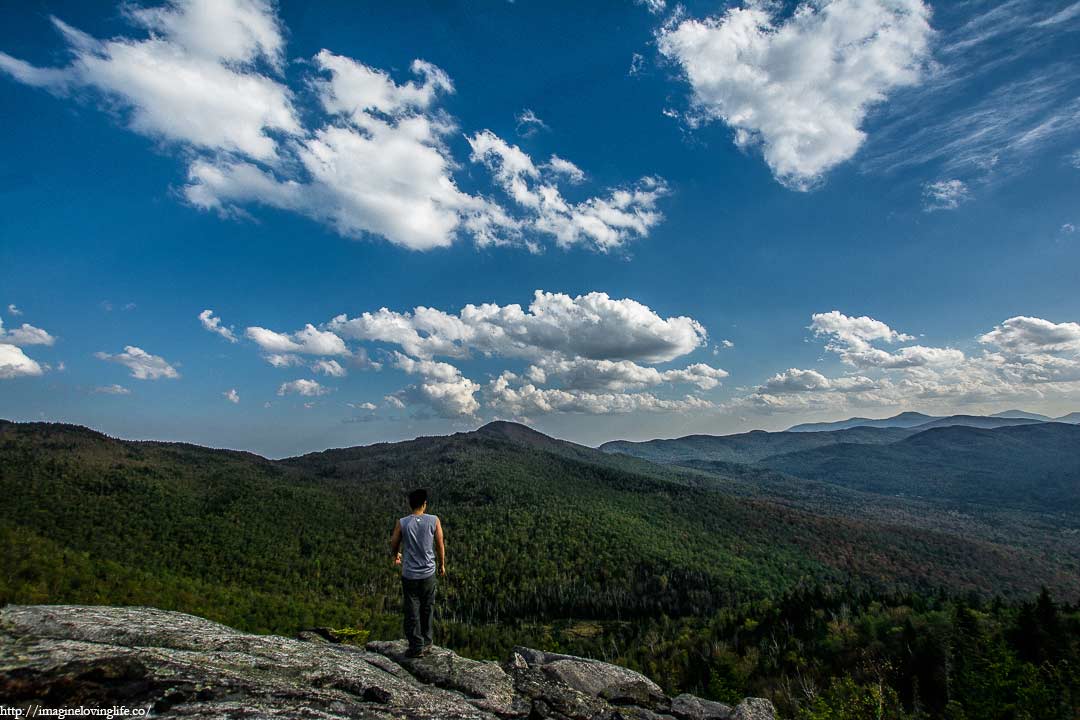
417,498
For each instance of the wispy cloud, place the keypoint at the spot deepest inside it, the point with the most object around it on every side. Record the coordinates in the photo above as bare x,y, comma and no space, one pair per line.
529,123
655,7
1005,127
1022,105
945,195
111,390
1064,15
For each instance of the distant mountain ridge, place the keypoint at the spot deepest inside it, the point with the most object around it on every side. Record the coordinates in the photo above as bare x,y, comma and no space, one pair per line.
757,445
904,419
1005,463
1023,414
976,421
749,447
1032,466
916,419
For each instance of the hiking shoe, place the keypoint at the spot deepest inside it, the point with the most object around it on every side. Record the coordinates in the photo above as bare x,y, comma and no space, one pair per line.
415,652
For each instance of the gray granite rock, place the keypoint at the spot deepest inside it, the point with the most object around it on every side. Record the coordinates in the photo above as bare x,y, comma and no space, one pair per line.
613,683
183,666
690,707
485,683
755,709
186,666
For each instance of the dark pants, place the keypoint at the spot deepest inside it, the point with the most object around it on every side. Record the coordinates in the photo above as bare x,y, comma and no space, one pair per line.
419,597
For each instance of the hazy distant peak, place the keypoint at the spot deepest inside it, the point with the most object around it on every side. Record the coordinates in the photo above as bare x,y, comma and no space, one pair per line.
1021,414
904,419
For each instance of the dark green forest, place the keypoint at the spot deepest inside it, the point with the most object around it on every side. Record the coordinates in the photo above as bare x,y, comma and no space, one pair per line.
725,581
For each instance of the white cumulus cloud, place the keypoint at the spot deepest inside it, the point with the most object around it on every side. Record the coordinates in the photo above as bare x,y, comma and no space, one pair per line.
800,87
443,388
308,341
304,387
283,360
704,376
15,363
854,331
852,337
565,168
190,81
26,335
370,157
583,353
380,166
518,397
213,324
143,365
617,375
1023,358
1023,335
330,368
604,223
593,325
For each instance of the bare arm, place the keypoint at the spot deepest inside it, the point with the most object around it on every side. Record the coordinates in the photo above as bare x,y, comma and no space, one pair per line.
440,546
395,543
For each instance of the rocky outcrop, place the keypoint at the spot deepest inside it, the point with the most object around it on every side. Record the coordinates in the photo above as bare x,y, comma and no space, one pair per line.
184,666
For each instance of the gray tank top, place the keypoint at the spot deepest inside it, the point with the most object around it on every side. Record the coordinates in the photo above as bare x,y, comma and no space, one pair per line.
418,546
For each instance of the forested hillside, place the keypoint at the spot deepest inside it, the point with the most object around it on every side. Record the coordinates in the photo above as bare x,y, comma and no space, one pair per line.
1031,466
1028,465
690,574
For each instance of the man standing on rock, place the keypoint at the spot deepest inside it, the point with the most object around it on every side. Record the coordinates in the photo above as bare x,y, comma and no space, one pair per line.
416,539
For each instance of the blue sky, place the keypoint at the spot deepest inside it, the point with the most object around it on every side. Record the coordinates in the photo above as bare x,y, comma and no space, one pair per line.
736,216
